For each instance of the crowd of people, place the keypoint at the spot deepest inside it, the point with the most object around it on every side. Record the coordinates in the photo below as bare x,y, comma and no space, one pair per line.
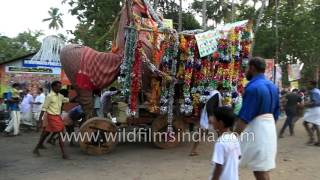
256,111
23,107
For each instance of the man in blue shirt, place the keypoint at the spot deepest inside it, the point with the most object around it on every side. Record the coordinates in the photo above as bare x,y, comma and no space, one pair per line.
260,109
312,115
13,107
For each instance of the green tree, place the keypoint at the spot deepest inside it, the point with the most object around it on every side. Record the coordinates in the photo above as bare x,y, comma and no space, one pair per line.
95,20
55,19
24,43
298,25
217,11
170,10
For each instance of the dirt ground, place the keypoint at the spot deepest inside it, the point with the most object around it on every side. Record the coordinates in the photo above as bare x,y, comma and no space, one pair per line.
141,161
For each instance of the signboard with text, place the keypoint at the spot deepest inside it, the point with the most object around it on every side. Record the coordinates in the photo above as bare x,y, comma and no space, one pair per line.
207,42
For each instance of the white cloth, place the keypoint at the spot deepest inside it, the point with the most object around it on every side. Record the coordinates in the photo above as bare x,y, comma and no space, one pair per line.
14,123
36,108
107,94
26,118
312,115
97,102
36,116
227,153
26,103
204,122
259,144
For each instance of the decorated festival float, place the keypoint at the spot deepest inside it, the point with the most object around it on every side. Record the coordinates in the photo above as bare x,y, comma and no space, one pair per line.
165,76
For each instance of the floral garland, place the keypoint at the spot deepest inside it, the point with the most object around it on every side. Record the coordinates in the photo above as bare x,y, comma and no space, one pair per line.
153,13
188,55
169,63
126,66
155,84
246,42
136,78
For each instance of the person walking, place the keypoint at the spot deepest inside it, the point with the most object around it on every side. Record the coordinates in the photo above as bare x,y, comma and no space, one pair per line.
52,122
312,114
260,109
37,106
293,102
214,100
26,108
13,99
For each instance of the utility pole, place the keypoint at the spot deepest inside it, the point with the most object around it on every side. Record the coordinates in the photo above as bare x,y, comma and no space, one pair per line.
180,16
276,61
204,14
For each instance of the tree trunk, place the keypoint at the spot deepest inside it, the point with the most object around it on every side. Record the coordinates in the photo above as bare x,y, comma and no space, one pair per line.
204,14
180,16
256,28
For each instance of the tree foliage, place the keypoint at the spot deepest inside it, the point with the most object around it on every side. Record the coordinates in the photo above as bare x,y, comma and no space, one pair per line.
217,11
298,35
170,10
95,19
23,44
55,19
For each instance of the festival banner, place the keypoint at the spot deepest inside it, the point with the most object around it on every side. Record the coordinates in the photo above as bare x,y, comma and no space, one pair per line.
207,42
294,72
227,27
32,70
269,73
278,76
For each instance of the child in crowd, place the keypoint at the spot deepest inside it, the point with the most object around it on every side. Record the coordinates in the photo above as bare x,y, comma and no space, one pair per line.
227,152
16,92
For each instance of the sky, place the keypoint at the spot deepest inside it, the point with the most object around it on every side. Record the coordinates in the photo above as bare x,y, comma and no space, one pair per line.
20,15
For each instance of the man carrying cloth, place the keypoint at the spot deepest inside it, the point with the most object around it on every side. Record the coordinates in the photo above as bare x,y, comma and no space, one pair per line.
257,116
52,122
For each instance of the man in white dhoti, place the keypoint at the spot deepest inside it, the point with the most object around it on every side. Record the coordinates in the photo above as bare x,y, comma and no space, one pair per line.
260,109
26,111
312,114
13,99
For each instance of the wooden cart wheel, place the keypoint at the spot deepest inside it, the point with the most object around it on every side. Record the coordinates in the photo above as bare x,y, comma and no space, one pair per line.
161,138
102,132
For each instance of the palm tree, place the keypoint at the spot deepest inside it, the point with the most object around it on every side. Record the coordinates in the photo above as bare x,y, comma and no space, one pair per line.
55,19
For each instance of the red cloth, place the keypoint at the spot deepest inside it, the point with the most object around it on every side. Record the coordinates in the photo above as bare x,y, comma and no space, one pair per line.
97,69
55,123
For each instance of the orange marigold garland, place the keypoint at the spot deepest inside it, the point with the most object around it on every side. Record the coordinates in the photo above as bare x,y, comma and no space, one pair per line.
155,84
